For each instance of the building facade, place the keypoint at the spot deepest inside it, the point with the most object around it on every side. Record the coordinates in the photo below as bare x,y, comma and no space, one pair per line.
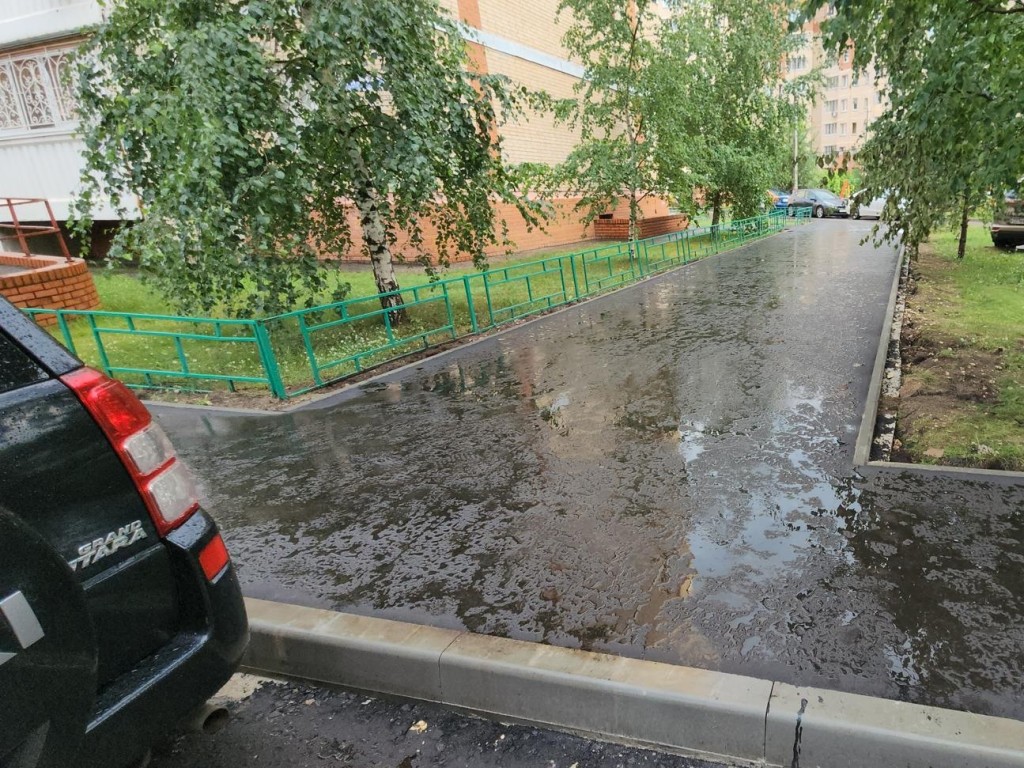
40,155
522,39
840,117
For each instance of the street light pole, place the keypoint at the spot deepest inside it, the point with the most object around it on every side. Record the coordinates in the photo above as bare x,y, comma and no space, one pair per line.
796,154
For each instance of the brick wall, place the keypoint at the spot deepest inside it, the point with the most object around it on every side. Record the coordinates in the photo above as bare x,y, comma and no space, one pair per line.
533,137
617,228
530,22
564,228
49,282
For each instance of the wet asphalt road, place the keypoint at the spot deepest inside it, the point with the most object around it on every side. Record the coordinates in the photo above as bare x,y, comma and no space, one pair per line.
662,473
285,725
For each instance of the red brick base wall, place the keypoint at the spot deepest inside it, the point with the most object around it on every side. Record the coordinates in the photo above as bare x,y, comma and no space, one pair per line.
618,228
49,282
564,227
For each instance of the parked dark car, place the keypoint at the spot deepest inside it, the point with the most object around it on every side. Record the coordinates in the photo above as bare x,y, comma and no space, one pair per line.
1008,222
822,203
120,611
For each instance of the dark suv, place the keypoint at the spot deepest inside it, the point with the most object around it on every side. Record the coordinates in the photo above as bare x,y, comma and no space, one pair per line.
120,611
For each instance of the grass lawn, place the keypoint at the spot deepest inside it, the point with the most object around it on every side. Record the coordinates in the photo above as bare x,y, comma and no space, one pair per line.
962,399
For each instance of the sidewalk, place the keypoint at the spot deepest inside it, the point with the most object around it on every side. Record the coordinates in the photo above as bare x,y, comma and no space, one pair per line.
664,473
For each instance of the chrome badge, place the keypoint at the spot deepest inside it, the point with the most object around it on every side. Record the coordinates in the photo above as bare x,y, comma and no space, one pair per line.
97,549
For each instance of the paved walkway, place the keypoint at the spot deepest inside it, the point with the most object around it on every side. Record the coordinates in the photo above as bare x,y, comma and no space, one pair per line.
665,473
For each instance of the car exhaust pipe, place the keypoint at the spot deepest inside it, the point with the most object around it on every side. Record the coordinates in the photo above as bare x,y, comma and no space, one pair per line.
208,718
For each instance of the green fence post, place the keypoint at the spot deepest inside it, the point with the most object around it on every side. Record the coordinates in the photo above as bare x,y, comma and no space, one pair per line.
561,278
270,367
65,332
100,349
307,342
575,282
473,327
448,309
487,295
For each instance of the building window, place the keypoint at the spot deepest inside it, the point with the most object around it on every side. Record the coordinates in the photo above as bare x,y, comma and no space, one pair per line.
34,92
846,56
830,129
846,81
842,129
853,129
854,79
855,105
833,82
830,149
842,105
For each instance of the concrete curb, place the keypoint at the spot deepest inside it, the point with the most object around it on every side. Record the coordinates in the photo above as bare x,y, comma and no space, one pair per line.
866,433
712,715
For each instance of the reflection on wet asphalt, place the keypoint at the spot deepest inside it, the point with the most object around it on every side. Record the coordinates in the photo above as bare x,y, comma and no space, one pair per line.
665,472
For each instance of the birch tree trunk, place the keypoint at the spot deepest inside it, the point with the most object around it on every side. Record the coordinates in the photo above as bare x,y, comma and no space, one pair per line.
375,238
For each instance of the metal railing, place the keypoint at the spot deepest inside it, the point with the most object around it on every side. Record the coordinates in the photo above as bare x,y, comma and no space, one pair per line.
303,350
22,231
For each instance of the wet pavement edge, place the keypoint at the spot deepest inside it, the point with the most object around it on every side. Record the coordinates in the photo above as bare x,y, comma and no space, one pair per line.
866,433
711,715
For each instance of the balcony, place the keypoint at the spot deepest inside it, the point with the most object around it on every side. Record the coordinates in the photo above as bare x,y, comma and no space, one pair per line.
26,22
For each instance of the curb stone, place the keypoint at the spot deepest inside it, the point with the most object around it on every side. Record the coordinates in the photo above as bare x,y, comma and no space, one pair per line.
711,715
892,381
866,433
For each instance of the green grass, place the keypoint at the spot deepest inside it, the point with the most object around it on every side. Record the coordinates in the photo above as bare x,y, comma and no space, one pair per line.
990,287
971,307
517,287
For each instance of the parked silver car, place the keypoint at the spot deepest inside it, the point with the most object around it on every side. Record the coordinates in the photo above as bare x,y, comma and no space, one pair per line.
862,208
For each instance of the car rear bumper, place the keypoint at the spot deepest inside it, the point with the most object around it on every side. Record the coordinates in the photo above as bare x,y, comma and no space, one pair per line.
1008,234
142,705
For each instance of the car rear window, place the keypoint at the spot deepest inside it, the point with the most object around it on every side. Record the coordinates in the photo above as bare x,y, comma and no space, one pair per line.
17,369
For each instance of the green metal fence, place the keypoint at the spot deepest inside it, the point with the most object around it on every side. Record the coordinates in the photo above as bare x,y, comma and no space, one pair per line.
300,351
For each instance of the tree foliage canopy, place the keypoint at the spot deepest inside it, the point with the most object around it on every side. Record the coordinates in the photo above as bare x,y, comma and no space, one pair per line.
617,42
242,126
953,132
672,103
722,103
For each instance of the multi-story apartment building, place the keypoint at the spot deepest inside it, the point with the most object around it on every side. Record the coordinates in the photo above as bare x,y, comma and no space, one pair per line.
848,102
41,157
39,154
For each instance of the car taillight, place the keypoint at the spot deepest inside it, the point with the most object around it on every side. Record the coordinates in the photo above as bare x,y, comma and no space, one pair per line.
165,483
